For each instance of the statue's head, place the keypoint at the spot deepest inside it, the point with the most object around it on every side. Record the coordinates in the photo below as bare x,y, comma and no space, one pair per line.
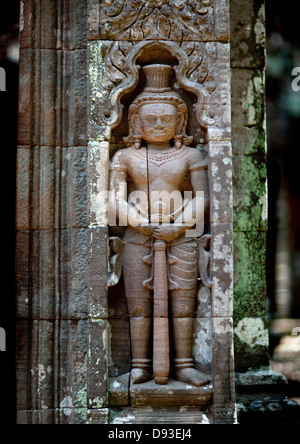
158,114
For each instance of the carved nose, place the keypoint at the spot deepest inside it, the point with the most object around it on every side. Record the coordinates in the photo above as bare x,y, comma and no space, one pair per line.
158,123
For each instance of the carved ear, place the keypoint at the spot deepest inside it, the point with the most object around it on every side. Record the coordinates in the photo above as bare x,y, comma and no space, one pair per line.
136,124
180,125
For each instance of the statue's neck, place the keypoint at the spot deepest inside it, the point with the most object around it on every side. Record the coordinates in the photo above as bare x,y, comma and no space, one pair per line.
158,146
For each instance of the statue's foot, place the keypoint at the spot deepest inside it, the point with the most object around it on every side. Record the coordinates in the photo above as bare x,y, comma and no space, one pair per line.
139,375
192,376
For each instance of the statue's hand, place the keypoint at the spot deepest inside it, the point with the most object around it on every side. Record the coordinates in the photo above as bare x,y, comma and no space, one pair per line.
166,233
147,230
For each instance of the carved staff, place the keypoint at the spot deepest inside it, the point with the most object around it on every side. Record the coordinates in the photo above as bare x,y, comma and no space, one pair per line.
161,347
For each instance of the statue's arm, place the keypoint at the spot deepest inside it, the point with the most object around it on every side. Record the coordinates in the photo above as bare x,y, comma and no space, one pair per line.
196,208
118,206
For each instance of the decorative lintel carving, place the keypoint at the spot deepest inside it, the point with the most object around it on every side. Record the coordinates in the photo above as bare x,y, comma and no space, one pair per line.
156,19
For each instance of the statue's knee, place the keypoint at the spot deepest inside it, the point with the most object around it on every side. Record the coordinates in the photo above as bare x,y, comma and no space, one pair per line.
139,308
183,304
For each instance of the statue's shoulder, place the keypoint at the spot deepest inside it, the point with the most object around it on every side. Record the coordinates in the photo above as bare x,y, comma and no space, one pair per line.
197,159
119,159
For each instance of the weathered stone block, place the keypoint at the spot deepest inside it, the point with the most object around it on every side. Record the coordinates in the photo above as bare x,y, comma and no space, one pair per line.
46,67
46,25
42,297
58,85
249,275
202,348
98,416
43,195
224,381
222,270
98,358
250,193
98,162
248,112
251,341
22,276
97,273
29,417
247,25
40,371
22,364
72,289
52,416
220,180
74,17
51,364
72,359
73,187
72,94
57,190
26,97
70,416
23,188
35,31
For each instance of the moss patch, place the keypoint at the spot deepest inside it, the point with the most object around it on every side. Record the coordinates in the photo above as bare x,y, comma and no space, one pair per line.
250,193
249,275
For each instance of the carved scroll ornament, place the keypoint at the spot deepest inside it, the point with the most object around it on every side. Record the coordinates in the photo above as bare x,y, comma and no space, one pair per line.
122,73
156,19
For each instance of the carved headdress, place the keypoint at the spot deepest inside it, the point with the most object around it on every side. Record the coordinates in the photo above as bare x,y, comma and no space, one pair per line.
158,89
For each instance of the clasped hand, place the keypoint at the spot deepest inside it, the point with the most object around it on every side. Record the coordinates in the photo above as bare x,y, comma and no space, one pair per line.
166,232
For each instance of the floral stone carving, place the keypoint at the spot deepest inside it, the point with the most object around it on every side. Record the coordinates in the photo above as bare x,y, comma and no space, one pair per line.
175,20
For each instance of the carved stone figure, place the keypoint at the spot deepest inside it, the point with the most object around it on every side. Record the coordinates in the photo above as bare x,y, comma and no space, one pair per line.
158,189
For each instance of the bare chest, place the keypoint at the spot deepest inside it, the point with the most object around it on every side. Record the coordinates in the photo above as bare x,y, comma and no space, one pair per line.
169,169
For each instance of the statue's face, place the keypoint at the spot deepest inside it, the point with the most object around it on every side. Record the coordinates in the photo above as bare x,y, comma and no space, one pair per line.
158,122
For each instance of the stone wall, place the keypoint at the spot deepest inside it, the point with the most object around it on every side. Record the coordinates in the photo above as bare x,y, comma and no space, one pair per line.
52,233
250,183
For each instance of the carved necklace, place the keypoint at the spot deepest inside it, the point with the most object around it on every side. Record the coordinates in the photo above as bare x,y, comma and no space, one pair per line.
159,158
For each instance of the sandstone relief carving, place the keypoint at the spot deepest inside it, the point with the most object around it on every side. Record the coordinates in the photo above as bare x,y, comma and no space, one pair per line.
159,192
156,19
199,69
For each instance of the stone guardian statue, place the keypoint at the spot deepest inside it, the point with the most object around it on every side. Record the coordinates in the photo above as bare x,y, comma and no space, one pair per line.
148,184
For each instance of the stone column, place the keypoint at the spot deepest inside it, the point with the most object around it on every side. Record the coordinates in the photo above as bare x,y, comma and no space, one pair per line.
52,225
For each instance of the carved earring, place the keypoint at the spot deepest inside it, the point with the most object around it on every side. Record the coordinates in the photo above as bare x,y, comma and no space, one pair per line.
137,140
178,141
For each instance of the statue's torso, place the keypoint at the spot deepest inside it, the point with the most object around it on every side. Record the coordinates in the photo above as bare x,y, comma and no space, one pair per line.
163,171
161,176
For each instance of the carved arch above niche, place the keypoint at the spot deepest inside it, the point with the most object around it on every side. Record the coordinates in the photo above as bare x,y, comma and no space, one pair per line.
177,20
200,67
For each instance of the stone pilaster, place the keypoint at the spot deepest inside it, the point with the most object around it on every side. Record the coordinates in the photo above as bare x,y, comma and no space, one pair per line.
52,228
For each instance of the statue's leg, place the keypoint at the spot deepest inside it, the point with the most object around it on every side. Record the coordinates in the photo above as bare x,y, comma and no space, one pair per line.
183,303
139,303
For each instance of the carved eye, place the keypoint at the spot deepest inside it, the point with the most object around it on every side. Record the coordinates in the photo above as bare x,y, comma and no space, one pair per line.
151,119
167,119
